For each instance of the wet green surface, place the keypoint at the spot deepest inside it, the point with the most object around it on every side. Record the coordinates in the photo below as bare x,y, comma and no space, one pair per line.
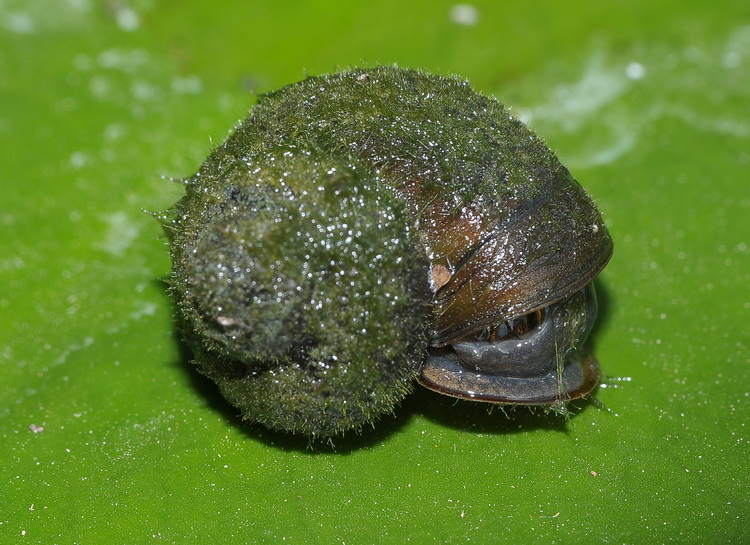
107,435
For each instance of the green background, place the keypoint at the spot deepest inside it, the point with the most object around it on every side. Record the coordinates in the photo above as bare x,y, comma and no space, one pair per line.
108,435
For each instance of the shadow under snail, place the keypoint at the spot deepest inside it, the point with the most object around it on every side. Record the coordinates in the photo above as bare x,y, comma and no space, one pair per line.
366,229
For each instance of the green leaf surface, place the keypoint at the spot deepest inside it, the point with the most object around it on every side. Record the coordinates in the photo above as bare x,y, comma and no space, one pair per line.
109,435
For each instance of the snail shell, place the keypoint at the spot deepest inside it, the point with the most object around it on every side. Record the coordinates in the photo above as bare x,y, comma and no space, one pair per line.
365,229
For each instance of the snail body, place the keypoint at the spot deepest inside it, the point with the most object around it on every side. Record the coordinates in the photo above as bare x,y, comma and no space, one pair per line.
363,230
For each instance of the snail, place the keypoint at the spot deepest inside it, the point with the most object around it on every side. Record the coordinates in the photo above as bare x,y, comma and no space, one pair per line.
368,229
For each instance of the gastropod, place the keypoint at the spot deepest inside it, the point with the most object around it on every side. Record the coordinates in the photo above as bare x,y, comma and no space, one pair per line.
368,229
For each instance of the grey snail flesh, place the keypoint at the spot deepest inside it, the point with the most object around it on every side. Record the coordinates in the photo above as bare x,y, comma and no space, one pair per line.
366,229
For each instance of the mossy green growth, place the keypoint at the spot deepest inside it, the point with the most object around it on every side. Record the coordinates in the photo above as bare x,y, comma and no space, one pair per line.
304,248
302,290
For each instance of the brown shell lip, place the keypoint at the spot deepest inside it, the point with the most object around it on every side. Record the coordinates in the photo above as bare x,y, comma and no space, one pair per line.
443,374
448,318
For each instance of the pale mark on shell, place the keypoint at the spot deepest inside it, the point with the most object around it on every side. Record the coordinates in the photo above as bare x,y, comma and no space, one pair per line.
226,321
439,277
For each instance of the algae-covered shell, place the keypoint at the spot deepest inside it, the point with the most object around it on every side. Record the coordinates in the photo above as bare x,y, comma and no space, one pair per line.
365,229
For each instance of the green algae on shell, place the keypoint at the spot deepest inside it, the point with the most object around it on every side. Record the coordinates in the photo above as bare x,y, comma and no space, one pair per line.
356,223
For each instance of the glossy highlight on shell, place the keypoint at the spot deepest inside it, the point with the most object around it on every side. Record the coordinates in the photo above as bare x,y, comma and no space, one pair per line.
365,230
